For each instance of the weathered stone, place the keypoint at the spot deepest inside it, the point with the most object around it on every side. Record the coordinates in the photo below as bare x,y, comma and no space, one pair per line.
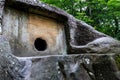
2,2
75,30
72,67
23,29
10,67
23,21
59,68
105,68
101,45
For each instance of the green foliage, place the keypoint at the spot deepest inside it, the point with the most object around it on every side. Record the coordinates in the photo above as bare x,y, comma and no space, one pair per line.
103,15
117,59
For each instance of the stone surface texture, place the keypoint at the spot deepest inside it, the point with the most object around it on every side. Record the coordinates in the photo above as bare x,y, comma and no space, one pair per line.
22,29
92,53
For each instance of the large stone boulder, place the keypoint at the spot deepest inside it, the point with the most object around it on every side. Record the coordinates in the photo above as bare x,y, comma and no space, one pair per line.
82,40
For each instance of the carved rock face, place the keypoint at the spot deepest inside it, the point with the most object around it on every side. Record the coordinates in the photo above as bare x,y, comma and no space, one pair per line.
31,29
33,35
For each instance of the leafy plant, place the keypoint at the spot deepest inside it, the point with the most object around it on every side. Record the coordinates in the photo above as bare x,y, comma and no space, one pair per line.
117,59
103,15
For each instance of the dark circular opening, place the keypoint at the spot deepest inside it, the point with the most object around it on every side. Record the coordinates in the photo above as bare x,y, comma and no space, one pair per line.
40,44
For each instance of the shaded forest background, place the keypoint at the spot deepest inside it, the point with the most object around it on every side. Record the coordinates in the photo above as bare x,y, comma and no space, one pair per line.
103,15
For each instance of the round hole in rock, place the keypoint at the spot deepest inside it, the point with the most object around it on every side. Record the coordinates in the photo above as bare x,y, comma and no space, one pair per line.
40,44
